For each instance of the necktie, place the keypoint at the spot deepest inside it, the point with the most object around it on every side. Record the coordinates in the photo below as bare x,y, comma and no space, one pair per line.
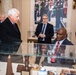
43,29
53,59
56,49
15,27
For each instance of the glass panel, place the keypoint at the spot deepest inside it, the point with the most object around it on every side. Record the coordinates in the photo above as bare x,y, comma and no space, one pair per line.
37,49
65,55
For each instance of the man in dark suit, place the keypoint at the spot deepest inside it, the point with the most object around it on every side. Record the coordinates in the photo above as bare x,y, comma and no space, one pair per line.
9,31
61,37
10,34
44,32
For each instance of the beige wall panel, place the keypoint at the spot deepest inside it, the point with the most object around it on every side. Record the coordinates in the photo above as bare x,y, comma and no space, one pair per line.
69,15
25,19
73,27
32,15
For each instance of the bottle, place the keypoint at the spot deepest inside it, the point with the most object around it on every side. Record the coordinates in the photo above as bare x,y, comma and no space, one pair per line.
49,53
42,71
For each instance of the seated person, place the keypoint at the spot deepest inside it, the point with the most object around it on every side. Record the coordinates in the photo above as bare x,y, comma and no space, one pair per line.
62,37
59,43
44,49
41,50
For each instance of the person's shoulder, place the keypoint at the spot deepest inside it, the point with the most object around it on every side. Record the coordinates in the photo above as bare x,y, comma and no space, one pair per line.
7,20
5,23
39,24
67,42
54,41
49,24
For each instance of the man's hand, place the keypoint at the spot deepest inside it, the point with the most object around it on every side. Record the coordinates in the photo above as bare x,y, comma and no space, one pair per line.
42,35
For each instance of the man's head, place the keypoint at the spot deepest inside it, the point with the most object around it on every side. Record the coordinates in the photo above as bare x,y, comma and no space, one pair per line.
44,48
45,19
13,15
61,34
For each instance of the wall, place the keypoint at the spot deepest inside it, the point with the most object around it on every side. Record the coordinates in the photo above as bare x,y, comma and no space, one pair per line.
6,5
73,26
25,19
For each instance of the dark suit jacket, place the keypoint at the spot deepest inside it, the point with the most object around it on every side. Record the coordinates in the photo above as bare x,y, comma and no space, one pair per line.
8,33
65,42
49,32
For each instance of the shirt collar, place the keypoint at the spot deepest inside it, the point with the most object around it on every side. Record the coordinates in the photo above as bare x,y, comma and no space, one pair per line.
44,24
13,23
61,41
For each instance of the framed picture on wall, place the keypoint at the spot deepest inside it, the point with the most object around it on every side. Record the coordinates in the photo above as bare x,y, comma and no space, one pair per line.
55,9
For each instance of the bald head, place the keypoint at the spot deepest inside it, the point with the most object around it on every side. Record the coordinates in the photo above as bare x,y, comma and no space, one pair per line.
61,34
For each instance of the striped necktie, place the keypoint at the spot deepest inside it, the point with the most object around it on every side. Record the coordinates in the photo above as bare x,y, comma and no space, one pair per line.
43,29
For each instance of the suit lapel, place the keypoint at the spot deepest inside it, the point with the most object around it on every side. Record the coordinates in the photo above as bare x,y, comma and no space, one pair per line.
16,28
9,26
64,42
13,28
40,28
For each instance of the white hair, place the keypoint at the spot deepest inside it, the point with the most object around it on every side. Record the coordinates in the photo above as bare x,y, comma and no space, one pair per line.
12,11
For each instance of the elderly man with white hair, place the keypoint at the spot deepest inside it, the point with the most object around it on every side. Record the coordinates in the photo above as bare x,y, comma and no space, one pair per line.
10,35
9,31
